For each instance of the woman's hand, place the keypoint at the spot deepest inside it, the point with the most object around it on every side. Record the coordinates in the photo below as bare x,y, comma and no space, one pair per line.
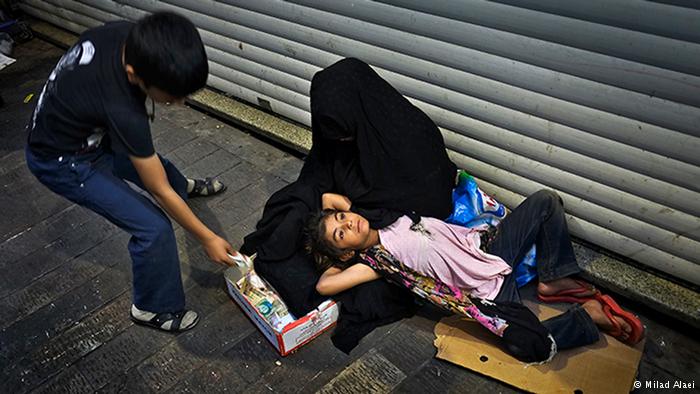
218,250
335,201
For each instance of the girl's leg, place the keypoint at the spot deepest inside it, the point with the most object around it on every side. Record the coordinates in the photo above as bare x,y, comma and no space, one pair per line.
572,328
540,220
595,310
578,326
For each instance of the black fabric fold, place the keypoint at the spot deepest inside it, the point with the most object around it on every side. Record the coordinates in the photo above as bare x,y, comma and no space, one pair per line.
367,307
388,157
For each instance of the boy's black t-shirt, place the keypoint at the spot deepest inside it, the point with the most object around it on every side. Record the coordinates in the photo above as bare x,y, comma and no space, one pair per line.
87,95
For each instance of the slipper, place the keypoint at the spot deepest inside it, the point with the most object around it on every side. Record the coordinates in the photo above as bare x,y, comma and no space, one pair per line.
206,187
171,322
616,331
569,295
611,309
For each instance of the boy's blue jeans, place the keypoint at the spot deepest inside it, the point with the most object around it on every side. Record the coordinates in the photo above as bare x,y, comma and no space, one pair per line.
540,220
95,180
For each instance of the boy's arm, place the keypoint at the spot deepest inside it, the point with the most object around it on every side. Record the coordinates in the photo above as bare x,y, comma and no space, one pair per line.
334,280
335,201
153,176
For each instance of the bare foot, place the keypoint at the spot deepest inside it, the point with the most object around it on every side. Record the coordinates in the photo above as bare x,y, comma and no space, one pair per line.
595,311
555,286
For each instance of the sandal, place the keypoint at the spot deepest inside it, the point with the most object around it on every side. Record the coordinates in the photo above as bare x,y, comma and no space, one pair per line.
206,187
569,295
612,309
171,322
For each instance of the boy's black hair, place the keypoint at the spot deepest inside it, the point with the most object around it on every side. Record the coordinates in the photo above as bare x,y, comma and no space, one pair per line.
325,254
166,52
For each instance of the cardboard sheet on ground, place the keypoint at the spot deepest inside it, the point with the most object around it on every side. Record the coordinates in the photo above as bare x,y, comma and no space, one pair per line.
607,366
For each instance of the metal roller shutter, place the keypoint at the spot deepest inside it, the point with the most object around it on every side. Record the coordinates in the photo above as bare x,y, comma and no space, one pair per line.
597,100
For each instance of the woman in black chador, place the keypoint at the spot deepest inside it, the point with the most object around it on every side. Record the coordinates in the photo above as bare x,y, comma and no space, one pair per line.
374,146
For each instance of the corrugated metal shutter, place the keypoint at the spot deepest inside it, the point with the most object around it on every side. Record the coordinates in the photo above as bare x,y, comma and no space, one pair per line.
599,100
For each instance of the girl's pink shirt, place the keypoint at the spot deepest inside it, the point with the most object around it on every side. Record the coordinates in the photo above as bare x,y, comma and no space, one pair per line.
450,253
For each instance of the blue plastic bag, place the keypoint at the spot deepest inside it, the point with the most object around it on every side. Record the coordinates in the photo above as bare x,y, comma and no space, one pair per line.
471,207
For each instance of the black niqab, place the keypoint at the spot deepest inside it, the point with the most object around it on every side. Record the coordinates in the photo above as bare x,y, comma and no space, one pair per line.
381,150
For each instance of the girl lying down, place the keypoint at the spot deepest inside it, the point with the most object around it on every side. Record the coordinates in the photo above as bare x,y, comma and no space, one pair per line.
475,262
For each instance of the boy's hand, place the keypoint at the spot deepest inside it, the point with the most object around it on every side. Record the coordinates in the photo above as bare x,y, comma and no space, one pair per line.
218,250
153,175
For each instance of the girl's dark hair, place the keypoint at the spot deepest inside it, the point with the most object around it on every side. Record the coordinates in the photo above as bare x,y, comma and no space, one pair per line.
166,52
325,254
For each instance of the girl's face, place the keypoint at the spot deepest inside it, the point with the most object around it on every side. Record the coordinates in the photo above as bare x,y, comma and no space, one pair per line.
348,230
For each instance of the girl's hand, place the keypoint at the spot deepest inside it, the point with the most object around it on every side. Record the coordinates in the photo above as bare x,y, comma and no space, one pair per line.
218,250
334,280
335,201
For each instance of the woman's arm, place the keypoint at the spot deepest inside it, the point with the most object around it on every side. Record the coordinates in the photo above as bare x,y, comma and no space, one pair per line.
335,201
334,280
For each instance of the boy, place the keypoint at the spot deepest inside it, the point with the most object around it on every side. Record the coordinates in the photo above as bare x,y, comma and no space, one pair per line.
90,132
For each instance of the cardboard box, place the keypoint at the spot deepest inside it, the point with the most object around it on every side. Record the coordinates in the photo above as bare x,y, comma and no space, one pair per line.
607,366
294,334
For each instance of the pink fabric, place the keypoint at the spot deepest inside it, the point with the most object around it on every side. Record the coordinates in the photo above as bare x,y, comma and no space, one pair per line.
450,253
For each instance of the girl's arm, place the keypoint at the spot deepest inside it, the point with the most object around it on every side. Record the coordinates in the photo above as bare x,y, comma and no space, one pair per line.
335,201
334,280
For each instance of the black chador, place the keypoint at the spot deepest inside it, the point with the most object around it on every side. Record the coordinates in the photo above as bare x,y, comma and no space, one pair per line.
387,156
